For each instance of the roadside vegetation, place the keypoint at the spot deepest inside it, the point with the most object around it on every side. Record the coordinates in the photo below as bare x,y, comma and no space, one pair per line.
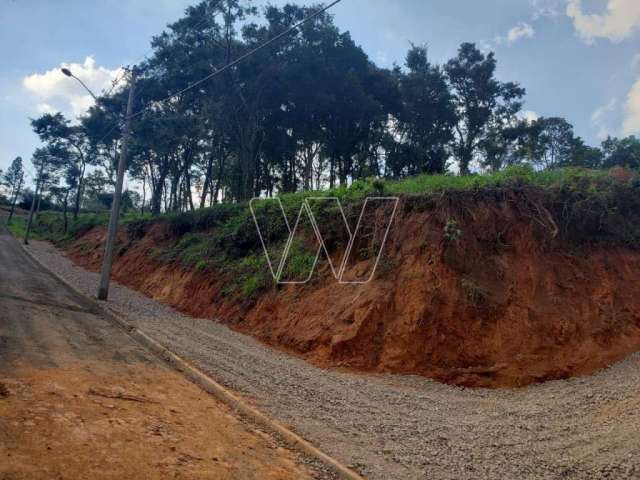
311,112
592,206
18,227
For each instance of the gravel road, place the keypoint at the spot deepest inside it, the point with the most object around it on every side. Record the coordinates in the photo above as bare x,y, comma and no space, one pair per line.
391,426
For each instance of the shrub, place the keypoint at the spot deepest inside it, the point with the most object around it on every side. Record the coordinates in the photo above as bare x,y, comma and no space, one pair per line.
181,223
136,229
451,232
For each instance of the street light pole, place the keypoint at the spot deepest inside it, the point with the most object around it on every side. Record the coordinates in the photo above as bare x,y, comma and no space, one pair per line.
68,73
105,274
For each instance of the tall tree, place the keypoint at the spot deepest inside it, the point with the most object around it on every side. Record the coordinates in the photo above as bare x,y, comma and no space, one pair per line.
426,118
481,100
14,180
553,142
71,142
622,151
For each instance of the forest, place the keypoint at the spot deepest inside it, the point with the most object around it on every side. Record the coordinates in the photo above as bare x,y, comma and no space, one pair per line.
312,111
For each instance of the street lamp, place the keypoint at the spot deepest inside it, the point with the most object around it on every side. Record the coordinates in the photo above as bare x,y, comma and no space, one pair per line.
68,73
105,272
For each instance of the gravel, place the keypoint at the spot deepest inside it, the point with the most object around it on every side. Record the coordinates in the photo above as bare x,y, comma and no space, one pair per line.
397,426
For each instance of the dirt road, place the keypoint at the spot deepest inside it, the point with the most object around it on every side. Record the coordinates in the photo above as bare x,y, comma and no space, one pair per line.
79,399
403,427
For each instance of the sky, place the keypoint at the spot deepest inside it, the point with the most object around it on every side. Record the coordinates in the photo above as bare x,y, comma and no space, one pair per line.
578,59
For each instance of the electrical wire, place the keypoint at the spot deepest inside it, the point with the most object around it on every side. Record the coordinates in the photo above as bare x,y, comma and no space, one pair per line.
240,58
126,70
229,65
142,57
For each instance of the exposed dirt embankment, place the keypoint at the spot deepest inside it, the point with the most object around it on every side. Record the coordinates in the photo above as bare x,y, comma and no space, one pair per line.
493,288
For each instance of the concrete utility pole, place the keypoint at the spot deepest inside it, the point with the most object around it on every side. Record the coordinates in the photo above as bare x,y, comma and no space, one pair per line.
105,274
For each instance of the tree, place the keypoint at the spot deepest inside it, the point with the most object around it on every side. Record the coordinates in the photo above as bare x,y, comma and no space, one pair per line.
624,152
14,180
72,144
550,143
583,155
506,144
45,162
424,123
96,185
481,101
61,197
310,111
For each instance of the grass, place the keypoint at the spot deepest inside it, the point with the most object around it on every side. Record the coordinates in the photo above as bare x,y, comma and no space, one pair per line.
223,238
18,226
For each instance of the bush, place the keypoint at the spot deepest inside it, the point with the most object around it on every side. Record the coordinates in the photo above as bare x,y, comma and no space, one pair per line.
181,223
136,229
87,222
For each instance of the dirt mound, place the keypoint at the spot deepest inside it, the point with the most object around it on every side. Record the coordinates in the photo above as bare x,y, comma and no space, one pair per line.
491,289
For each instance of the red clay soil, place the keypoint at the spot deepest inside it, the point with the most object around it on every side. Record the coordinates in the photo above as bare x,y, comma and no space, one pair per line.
505,306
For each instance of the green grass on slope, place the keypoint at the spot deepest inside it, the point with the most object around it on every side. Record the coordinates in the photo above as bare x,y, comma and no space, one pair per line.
18,225
223,238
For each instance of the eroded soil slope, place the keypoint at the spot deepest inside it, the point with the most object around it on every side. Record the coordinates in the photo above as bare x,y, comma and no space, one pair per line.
495,288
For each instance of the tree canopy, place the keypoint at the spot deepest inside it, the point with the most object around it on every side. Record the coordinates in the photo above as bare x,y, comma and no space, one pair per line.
310,111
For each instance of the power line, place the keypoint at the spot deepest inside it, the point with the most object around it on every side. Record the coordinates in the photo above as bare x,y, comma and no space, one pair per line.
125,70
231,64
242,57
149,51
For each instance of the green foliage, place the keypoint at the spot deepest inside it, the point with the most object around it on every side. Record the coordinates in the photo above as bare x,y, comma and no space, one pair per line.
137,227
451,232
592,207
299,262
181,223
18,226
86,222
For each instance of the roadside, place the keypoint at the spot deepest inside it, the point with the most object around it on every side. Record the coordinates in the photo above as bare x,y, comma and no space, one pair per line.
390,426
80,399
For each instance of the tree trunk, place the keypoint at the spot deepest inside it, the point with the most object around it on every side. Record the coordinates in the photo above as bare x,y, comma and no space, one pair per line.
187,191
39,203
64,212
156,196
144,193
76,208
465,161
332,172
15,200
208,177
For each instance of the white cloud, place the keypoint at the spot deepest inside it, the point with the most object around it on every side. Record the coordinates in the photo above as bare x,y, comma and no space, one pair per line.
522,30
56,92
600,112
43,108
631,125
546,8
529,115
600,118
382,58
619,21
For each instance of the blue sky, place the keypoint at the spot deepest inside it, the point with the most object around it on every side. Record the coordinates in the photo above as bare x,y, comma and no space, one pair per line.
579,59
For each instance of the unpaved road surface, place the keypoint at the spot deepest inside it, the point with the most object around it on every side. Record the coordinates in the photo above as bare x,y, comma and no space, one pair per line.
397,427
79,399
